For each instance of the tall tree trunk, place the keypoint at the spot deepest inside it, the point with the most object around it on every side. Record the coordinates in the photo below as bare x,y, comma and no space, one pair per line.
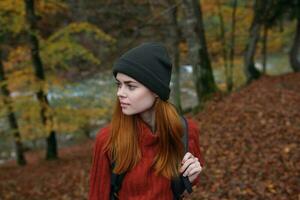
223,41
40,75
264,49
232,45
11,116
295,50
203,75
249,64
175,38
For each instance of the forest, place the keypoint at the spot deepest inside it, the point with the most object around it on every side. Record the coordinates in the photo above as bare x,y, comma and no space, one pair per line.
235,71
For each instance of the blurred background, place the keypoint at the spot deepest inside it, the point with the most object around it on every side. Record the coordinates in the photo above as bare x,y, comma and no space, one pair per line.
236,70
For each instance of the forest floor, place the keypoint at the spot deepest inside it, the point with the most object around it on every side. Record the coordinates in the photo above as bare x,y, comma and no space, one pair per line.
250,140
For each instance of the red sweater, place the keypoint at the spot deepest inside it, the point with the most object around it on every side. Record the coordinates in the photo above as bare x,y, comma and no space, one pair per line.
140,183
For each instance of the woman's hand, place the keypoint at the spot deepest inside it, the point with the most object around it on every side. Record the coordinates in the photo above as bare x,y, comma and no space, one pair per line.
191,166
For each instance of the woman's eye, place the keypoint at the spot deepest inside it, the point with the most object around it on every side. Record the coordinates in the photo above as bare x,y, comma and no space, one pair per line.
118,84
131,87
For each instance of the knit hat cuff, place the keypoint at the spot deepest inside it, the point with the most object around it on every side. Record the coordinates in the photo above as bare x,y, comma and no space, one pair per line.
129,68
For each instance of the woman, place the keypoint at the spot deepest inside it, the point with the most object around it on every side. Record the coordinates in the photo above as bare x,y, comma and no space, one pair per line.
144,138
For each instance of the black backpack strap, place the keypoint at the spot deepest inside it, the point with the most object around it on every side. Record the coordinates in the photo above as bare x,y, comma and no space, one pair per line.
186,181
115,183
181,183
185,137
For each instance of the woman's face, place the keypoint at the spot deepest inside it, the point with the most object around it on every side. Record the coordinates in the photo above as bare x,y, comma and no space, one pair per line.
134,97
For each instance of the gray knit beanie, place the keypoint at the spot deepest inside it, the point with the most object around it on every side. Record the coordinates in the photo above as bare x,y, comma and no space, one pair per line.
150,65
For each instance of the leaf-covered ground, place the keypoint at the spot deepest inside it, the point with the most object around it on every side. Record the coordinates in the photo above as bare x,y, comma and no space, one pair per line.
250,140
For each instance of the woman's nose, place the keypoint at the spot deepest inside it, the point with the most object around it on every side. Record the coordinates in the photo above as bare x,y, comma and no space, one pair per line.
121,92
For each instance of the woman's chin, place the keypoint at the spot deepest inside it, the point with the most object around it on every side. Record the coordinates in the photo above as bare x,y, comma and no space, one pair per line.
127,112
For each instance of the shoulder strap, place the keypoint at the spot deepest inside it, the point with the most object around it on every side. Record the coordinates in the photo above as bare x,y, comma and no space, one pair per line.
185,137
181,183
115,183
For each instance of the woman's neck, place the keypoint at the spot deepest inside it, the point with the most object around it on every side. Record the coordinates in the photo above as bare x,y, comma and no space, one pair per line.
149,118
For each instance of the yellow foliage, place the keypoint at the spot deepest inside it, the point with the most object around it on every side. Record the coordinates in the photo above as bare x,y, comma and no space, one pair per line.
15,6
70,119
51,7
18,58
20,73
29,120
2,107
80,27
21,80
61,47
208,7
12,13
53,79
239,77
215,47
183,48
31,131
244,17
59,53
12,16
276,40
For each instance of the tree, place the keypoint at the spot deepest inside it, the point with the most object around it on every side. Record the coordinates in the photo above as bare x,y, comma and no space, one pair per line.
264,48
228,71
175,34
10,28
232,47
249,65
51,152
195,34
11,116
267,14
295,50
61,53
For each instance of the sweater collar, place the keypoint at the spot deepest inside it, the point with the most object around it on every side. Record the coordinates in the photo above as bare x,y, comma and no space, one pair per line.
146,137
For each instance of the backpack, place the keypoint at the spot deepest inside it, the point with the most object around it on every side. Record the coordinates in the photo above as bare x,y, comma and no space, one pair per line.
178,184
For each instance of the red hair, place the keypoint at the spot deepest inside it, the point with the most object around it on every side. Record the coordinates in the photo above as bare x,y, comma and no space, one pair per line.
122,145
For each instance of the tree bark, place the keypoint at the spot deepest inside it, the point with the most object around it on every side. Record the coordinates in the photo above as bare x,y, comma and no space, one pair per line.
175,39
11,116
264,49
195,33
249,64
224,44
295,50
232,45
40,75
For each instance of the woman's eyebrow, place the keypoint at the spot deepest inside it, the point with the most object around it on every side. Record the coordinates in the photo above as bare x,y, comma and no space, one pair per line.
126,82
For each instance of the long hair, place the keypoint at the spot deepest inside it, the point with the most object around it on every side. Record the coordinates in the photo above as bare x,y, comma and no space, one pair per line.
123,148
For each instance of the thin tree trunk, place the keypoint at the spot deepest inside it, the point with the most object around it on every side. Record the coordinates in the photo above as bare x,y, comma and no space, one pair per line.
203,74
39,73
249,64
232,45
264,49
295,50
175,37
223,41
250,70
11,116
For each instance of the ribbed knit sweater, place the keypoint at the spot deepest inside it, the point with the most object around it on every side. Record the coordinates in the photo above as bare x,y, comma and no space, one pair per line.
140,183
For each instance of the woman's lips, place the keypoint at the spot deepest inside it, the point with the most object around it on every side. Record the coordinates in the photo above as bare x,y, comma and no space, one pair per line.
124,104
